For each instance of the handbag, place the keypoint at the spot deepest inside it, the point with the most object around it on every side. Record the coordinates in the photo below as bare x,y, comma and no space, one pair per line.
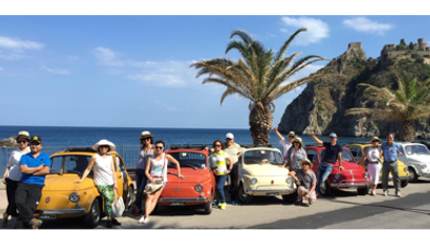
118,207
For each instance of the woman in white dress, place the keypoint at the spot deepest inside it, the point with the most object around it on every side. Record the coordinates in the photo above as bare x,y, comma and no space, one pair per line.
372,158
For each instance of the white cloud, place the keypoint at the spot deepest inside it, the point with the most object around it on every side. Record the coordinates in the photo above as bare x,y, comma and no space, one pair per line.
19,44
362,24
107,57
316,29
169,73
56,71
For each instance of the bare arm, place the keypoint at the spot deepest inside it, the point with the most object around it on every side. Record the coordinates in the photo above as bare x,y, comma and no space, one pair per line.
115,185
229,163
316,139
88,169
147,169
339,159
30,170
281,138
314,184
42,172
176,162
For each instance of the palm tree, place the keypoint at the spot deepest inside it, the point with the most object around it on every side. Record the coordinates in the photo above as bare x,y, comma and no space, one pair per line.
258,75
404,106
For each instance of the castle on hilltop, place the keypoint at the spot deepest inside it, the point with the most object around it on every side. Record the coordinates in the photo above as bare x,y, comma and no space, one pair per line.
407,51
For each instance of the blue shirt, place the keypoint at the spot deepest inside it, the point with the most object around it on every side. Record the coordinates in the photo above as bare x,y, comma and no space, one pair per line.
30,161
391,151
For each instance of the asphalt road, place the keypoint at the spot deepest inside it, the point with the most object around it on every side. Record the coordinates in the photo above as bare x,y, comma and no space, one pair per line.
345,211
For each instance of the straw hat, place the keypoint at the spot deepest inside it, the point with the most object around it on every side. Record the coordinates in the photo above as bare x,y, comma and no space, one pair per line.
297,140
104,142
375,139
306,160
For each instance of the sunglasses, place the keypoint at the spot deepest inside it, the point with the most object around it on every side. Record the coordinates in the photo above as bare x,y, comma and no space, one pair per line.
218,145
34,144
159,147
22,141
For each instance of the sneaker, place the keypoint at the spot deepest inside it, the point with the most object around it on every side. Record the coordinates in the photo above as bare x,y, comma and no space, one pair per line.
398,194
115,222
143,220
223,205
35,223
386,193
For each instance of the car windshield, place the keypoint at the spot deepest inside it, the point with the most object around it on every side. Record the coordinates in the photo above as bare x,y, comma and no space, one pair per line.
417,149
347,155
263,156
190,159
69,164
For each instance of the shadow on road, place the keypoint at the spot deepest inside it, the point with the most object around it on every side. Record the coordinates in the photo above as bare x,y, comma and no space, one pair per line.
359,211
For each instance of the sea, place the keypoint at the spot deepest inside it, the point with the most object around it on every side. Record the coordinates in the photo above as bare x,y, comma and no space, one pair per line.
127,139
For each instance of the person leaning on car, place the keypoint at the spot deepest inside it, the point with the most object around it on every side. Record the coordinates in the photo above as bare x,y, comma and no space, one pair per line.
33,166
332,154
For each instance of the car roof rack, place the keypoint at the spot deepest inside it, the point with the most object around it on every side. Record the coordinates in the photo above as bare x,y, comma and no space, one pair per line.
189,146
80,149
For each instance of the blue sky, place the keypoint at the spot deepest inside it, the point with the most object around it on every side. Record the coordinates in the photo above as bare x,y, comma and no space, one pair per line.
134,70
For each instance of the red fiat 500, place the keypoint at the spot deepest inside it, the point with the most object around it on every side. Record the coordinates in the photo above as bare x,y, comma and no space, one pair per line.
352,176
197,188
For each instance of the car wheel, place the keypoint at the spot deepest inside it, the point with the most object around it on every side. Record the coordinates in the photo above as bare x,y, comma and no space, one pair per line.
327,191
404,183
207,208
92,219
243,197
413,176
363,191
291,198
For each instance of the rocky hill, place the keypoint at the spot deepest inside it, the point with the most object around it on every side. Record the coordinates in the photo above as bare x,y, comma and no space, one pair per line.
322,105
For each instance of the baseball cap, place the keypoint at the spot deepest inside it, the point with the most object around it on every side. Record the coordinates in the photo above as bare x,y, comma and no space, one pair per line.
333,135
35,139
229,135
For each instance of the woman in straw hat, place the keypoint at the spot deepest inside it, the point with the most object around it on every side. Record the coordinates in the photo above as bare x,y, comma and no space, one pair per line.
12,174
102,165
146,152
372,158
295,155
307,182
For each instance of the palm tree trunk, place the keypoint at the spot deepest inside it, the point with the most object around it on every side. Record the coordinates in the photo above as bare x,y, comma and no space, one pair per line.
407,131
260,122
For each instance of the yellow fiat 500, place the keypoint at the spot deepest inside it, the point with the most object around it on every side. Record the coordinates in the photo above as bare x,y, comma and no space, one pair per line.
62,197
357,151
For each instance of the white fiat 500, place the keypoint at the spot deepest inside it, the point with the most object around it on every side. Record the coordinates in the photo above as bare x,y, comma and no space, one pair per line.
261,173
417,157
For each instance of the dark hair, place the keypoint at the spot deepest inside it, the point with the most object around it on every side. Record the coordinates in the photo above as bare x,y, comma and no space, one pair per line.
98,148
160,142
143,142
218,141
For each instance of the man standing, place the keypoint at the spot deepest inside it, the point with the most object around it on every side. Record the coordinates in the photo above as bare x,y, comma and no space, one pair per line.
390,150
233,150
285,143
34,166
332,154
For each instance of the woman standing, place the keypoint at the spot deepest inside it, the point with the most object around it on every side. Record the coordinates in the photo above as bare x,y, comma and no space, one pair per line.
156,172
103,168
372,158
221,164
295,155
146,151
12,174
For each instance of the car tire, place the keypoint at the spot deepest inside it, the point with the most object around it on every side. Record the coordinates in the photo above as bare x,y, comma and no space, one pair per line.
404,183
363,191
328,191
92,219
413,176
243,197
290,198
207,208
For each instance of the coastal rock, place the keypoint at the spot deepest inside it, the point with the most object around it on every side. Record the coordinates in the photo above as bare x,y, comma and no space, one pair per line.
321,107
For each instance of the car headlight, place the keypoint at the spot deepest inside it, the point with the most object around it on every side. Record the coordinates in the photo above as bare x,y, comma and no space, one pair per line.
289,181
337,177
253,181
198,188
74,197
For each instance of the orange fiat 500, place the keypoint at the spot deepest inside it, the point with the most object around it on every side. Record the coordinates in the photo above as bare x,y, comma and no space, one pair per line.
62,197
197,189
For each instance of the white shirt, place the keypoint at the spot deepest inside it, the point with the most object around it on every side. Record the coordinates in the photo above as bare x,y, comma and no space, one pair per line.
159,167
103,173
232,152
285,147
373,154
13,163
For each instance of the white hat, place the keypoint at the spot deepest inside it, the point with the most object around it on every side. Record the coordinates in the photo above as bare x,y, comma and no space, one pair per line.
333,135
145,134
104,142
24,133
229,135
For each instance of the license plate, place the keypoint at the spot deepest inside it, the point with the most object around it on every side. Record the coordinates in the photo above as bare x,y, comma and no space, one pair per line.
272,193
177,204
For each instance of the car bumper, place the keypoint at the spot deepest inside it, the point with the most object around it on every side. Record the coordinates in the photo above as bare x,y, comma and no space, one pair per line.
180,201
349,184
62,213
270,192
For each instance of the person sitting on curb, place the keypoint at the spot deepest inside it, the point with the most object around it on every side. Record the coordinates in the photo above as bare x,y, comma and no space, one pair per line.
33,166
306,181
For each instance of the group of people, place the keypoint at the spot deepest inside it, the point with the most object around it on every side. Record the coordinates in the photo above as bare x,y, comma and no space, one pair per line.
27,167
